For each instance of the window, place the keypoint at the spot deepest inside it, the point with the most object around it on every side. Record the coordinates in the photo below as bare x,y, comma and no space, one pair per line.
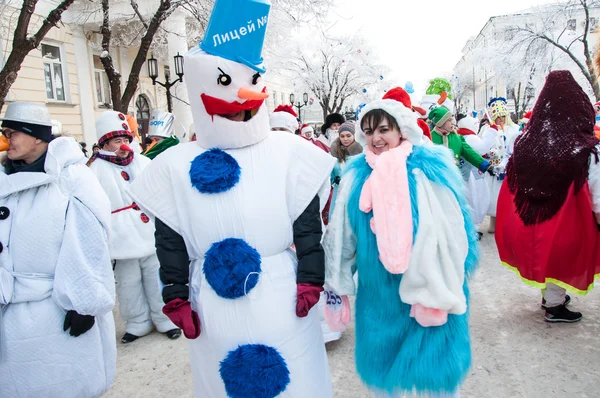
593,24
102,83
53,72
572,25
282,98
275,98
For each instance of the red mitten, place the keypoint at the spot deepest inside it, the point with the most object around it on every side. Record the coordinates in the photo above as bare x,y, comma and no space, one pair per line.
308,296
181,314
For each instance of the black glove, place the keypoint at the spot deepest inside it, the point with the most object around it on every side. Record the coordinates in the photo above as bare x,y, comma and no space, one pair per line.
79,324
491,171
336,180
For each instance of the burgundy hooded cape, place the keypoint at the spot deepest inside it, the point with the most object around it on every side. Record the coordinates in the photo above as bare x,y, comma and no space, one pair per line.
546,230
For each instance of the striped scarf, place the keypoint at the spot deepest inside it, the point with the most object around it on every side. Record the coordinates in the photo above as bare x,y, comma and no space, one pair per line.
114,159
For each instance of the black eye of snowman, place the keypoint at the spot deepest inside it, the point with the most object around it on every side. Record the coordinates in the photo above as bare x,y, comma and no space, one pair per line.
223,78
255,78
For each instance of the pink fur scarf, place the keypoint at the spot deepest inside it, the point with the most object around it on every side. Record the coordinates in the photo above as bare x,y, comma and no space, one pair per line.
386,192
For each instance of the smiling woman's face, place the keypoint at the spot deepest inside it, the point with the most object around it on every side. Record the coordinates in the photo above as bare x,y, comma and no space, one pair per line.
384,136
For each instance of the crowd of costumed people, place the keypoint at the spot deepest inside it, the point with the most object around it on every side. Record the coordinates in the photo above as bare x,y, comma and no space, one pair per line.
250,238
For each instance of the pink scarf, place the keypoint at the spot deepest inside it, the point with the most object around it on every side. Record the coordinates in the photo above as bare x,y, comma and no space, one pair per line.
386,192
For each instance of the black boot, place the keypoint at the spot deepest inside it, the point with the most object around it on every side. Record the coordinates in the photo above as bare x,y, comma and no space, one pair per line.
174,334
567,301
129,338
561,314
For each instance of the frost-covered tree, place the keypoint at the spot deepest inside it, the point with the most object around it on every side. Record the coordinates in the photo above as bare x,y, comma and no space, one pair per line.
29,31
564,27
335,70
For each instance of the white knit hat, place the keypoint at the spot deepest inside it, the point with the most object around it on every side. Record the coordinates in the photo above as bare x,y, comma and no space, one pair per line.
112,124
283,120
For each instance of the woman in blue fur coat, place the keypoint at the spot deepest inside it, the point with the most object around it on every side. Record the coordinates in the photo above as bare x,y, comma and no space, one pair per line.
413,253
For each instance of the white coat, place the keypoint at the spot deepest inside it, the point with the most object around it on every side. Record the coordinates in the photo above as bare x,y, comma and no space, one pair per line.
55,259
130,236
478,193
498,157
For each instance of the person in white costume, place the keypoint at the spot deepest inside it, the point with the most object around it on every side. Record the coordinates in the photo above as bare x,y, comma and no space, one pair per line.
505,132
57,291
132,234
284,119
478,193
228,209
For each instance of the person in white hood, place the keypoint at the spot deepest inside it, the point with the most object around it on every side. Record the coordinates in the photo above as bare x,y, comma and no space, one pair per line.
132,237
57,291
284,118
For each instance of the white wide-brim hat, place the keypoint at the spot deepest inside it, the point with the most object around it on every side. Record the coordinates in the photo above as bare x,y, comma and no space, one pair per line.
28,112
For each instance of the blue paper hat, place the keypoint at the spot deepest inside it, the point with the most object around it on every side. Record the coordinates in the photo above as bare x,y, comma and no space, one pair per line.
236,31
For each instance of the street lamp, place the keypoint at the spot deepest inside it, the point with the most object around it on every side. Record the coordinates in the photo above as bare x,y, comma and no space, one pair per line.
299,105
153,73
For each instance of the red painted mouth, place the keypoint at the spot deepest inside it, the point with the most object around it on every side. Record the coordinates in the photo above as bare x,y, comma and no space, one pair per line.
216,106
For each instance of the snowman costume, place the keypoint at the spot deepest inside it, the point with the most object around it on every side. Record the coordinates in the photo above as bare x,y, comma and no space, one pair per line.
229,207
132,234
61,266
478,193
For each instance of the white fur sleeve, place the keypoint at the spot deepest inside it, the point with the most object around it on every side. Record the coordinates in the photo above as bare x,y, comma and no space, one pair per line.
594,182
436,271
340,244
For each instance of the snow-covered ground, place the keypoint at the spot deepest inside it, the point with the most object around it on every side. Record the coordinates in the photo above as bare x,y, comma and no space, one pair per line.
515,353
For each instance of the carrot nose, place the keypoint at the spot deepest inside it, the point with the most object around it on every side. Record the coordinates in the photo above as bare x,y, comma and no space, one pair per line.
3,143
125,147
247,94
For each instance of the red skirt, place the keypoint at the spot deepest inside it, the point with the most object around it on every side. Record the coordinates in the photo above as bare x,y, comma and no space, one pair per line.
564,250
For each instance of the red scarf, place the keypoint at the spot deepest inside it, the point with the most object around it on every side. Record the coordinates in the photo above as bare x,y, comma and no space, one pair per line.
464,131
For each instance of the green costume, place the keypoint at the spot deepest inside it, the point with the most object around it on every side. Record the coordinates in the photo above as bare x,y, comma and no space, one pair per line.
453,141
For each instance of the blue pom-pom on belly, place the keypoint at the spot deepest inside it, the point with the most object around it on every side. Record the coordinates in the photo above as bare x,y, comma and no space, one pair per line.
254,371
231,267
214,171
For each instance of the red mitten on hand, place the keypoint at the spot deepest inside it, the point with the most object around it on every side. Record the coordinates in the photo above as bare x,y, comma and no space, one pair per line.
181,314
308,296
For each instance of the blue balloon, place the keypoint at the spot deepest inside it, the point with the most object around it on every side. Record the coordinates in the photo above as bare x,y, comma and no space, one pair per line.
364,90
408,87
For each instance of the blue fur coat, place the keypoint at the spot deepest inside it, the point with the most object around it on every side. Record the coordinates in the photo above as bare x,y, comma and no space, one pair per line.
394,353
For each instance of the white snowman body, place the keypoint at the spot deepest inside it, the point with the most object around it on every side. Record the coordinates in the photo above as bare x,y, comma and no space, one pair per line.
233,196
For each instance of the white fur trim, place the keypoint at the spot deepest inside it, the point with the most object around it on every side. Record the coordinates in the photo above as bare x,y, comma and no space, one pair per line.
284,120
406,119
436,273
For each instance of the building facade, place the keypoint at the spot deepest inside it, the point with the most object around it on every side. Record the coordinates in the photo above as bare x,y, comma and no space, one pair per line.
492,66
66,74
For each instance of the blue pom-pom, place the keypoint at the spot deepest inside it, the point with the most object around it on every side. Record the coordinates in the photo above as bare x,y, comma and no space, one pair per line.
214,171
231,267
254,371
